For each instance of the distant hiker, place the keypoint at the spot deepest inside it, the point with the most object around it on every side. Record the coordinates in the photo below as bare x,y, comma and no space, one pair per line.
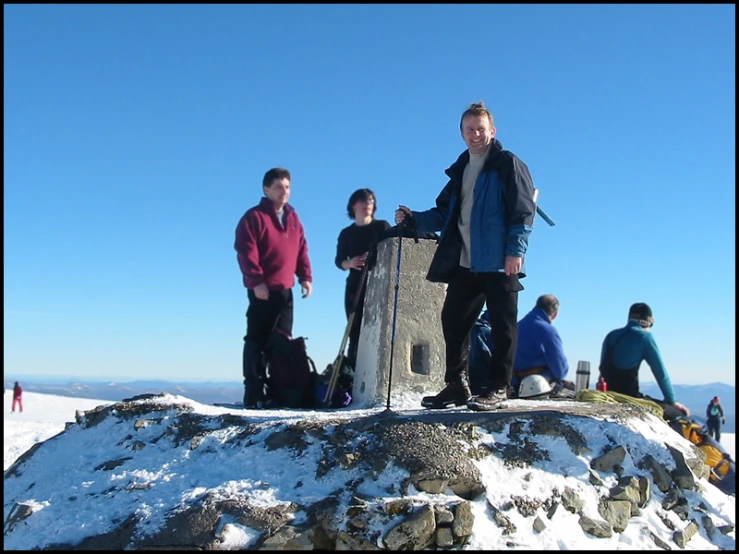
271,250
715,418
624,350
485,214
539,350
352,251
17,397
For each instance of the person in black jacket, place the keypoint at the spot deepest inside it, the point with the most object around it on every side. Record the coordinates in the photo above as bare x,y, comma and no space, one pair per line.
352,251
714,418
485,214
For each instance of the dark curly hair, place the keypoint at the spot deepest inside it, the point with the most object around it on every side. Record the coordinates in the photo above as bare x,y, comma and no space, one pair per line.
360,194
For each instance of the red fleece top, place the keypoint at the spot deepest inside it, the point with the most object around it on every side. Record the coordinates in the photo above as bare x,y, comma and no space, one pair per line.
269,253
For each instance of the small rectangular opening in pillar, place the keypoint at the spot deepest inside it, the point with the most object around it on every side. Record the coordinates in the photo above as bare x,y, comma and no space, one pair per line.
420,358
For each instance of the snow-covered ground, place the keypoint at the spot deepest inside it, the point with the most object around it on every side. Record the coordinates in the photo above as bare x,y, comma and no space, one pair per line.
727,441
45,415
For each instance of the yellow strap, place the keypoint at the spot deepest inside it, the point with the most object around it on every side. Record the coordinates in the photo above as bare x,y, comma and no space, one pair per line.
590,395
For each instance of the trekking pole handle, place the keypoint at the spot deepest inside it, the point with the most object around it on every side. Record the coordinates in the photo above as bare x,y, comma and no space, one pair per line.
409,222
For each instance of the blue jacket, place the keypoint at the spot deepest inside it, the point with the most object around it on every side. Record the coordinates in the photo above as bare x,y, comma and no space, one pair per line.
634,346
502,217
539,344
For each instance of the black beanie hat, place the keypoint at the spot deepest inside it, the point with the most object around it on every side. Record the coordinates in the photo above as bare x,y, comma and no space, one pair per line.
643,313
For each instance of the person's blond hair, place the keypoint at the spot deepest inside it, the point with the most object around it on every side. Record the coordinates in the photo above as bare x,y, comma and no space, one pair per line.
477,109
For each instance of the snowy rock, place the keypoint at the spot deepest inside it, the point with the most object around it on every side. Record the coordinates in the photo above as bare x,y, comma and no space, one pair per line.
163,472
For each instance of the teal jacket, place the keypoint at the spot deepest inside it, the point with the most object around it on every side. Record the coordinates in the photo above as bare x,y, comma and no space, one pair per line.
631,346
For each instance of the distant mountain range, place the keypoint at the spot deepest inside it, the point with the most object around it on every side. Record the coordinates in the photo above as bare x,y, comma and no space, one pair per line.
695,397
203,392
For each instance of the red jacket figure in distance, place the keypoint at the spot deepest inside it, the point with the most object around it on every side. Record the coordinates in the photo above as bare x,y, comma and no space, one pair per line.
17,397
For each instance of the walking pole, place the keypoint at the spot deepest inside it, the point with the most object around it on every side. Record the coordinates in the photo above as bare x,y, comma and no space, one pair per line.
408,220
336,367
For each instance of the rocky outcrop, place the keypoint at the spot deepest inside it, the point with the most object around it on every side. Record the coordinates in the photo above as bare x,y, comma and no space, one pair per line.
424,471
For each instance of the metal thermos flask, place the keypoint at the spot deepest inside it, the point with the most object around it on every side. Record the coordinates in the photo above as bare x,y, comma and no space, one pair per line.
582,376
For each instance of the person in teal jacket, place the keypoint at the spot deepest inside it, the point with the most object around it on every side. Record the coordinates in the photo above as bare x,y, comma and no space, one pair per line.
623,352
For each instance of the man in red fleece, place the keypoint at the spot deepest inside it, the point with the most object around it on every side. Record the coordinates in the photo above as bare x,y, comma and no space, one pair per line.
271,250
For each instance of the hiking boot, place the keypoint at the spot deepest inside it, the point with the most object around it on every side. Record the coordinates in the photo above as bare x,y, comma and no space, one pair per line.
454,393
488,400
252,400
257,402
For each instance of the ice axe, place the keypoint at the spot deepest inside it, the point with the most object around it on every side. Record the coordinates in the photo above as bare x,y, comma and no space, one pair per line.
541,212
336,366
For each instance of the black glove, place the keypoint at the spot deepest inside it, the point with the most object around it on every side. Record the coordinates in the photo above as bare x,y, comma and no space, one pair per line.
409,224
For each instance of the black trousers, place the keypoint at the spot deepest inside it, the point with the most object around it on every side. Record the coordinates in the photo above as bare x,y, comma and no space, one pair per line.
714,428
465,296
671,413
261,317
264,315
350,293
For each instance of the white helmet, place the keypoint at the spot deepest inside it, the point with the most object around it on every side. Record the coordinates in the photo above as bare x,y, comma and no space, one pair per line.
534,386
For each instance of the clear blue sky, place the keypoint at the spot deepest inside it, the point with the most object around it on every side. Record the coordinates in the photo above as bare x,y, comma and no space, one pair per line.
136,136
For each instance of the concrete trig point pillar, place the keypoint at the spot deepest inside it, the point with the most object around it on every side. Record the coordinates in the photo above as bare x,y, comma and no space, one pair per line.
419,352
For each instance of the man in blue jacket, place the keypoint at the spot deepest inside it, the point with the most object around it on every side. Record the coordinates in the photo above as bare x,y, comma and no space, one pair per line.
623,352
485,215
540,350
